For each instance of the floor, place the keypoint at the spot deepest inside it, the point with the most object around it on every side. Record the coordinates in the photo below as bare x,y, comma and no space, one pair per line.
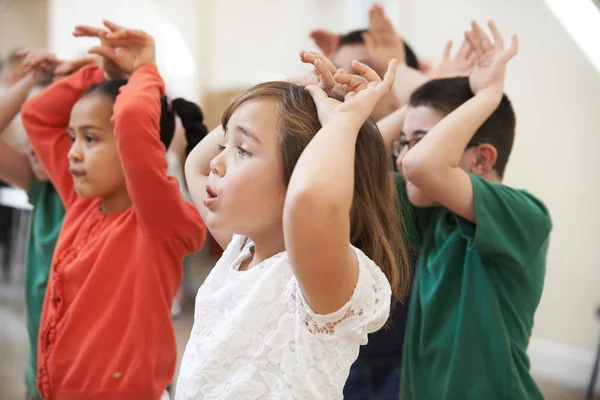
13,338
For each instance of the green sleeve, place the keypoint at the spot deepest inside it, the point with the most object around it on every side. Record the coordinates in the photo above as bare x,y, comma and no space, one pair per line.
35,189
510,223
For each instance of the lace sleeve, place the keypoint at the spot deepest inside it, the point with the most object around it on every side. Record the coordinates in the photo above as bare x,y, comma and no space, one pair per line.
366,311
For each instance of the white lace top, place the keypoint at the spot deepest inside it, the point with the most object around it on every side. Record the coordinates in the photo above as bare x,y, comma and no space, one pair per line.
254,336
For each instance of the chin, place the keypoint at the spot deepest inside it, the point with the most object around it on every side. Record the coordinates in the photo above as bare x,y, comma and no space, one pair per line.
84,194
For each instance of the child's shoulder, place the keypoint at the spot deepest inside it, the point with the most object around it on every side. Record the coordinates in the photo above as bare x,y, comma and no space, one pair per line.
504,198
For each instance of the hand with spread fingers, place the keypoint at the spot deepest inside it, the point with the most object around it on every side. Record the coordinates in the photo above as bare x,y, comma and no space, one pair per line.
111,70
323,72
382,42
364,92
459,66
39,64
121,48
489,69
327,41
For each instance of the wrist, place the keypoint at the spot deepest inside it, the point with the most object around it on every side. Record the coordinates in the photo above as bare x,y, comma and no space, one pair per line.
346,120
491,95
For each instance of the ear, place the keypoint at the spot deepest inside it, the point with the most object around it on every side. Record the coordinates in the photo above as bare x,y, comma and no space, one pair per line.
486,156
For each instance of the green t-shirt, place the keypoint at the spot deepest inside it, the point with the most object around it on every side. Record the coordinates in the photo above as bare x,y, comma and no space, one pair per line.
48,214
476,290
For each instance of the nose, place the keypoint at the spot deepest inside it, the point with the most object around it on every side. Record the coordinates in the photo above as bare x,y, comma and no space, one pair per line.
217,164
75,153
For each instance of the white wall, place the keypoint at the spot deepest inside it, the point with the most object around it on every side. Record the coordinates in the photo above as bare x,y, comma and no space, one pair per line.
175,58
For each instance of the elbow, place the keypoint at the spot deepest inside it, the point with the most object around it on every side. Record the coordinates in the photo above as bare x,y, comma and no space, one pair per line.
416,168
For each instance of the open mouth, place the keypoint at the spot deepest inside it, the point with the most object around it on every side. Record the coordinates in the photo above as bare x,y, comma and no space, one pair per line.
210,193
211,197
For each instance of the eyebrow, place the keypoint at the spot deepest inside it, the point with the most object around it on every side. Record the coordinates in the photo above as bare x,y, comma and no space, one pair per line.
417,132
85,128
248,133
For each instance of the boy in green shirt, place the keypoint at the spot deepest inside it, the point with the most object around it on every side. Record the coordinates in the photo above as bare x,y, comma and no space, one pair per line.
482,244
26,172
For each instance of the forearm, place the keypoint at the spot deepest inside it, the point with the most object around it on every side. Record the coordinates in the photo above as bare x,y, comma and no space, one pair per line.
407,81
197,165
391,127
13,98
444,145
14,167
321,180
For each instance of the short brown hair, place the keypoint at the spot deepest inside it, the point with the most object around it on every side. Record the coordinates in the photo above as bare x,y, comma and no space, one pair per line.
446,95
374,221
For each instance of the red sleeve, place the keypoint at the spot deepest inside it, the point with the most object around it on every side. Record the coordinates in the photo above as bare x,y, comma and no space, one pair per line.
46,121
156,198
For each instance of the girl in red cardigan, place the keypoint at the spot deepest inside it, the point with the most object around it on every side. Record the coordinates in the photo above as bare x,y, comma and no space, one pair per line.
106,329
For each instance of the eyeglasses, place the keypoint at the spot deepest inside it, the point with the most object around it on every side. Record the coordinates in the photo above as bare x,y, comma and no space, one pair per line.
400,144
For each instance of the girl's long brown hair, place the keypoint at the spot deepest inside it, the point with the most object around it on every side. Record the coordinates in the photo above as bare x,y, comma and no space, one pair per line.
375,224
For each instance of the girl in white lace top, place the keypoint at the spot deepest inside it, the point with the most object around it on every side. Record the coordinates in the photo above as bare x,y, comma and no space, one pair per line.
303,202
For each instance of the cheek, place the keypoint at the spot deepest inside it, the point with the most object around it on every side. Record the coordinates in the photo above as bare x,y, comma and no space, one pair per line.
468,161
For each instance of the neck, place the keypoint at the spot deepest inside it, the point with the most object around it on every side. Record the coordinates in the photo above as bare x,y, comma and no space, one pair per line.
117,202
266,246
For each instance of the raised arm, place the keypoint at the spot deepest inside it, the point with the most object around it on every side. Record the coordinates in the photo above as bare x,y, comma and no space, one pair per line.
319,197
46,120
197,169
14,165
156,198
433,164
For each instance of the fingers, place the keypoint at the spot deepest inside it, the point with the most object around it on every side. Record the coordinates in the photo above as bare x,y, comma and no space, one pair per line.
309,57
351,82
484,41
104,51
498,41
474,42
367,72
325,74
514,47
39,59
377,18
133,35
112,26
87,31
447,50
465,51
316,93
390,75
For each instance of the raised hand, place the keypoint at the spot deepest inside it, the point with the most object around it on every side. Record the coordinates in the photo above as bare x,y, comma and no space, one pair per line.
364,91
111,69
128,49
38,59
459,66
39,64
382,42
489,69
323,72
327,41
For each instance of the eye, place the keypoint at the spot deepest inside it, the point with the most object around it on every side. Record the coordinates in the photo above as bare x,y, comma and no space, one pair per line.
72,138
220,147
242,152
90,139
